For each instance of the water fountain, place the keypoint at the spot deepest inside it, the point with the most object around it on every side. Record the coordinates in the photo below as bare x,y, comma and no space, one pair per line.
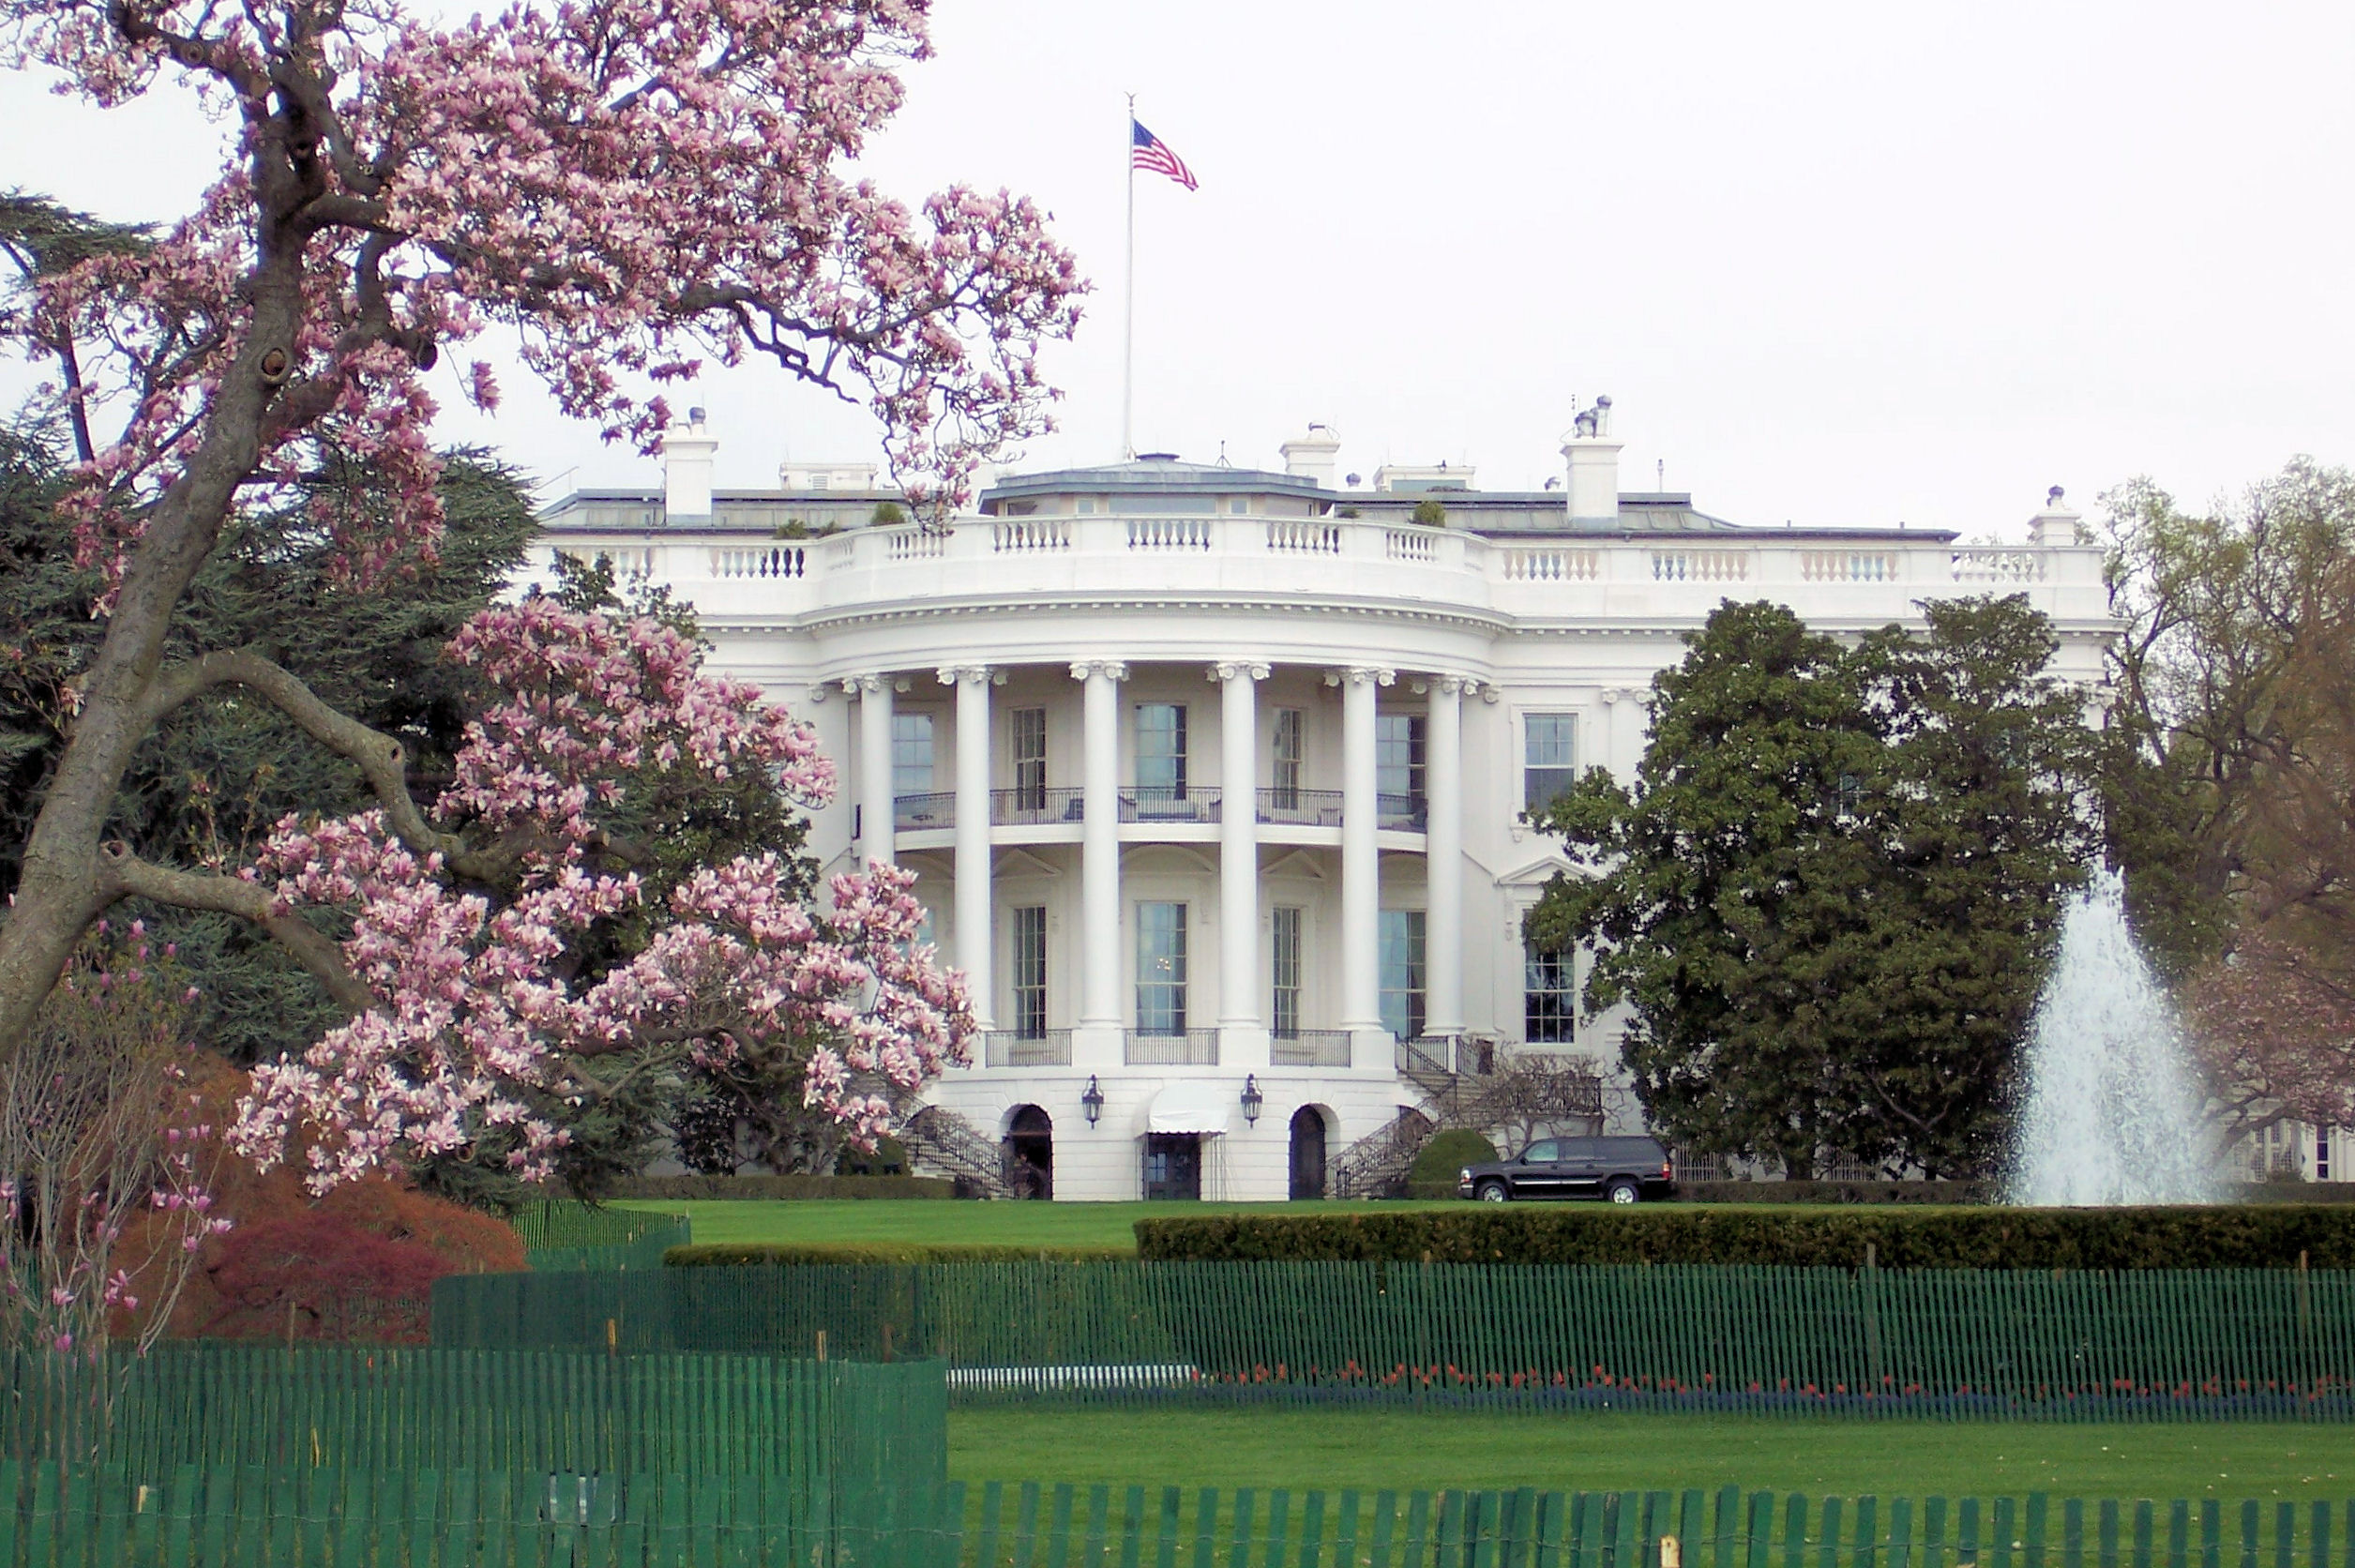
2112,1110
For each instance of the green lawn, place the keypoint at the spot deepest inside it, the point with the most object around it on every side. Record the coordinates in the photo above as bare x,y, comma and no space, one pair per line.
1338,1448
869,1219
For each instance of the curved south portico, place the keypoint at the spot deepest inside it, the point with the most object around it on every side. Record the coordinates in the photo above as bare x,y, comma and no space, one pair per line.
1217,781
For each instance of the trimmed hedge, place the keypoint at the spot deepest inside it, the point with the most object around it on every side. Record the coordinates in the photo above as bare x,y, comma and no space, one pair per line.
2235,1236
773,1188
1835,1192
738,1255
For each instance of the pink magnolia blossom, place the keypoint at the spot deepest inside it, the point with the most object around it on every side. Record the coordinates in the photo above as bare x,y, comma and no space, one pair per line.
472,1011
631,190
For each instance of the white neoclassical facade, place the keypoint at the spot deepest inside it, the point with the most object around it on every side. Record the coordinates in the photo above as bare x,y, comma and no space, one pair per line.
1217,781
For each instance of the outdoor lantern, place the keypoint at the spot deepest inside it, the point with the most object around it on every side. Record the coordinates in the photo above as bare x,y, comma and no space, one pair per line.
1252,1098
1093,1101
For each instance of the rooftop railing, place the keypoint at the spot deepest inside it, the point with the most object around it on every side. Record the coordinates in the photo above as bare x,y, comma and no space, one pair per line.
1516,574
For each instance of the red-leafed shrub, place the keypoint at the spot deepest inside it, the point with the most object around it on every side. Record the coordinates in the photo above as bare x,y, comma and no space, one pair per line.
356,1265
317,1275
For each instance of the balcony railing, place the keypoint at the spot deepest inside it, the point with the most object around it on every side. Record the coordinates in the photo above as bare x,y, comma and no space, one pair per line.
1310,1048
917,813
1035,808
1301,807
1195,1047
1198,804
1153,804
1009,1047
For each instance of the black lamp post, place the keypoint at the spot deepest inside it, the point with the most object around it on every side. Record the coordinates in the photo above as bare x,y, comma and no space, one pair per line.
1252,1098
1091,1103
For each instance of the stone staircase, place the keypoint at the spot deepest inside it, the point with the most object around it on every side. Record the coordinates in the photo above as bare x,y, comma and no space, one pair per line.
1469,1083
940,1142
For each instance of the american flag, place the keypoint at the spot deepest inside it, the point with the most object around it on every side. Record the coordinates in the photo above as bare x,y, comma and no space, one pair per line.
1148,151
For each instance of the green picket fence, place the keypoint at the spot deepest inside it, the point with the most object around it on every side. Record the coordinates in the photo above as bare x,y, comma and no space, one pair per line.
2027,1344
572,1237
253,1517
228,1517
213,1404
1034,1526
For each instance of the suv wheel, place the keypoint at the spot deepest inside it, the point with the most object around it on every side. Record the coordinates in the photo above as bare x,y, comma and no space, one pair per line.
1492,1191
1624,1191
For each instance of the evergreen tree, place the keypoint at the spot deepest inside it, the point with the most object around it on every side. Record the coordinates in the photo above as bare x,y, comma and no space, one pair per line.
1828,899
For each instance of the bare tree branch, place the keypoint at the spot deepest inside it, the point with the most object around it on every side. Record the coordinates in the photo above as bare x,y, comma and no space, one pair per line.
124,875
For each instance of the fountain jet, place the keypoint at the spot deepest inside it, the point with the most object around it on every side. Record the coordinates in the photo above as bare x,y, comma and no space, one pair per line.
2112,1110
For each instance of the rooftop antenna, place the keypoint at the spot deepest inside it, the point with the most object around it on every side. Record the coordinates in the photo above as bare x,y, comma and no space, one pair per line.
1660,473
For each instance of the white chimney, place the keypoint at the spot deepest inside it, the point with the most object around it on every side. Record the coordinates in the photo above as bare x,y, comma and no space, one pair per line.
1593,457
1313,455
2056,524
687,470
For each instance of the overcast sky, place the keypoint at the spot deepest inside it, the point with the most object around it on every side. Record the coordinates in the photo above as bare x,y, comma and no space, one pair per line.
1838,263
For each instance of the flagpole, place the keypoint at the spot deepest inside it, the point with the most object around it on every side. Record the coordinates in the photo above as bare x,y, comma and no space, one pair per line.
1128,305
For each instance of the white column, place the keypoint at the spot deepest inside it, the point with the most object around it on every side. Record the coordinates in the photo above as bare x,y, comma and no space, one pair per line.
973,927
1360,862
1100,845
875,808
1443,860
1622,739
1242,1019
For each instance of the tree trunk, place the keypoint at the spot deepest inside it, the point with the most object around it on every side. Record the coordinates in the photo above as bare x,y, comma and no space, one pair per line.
62,888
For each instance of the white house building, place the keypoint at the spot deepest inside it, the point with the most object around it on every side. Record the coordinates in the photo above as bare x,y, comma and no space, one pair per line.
1215,779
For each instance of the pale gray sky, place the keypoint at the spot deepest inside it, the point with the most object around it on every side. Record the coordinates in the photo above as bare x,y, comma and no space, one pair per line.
1839,263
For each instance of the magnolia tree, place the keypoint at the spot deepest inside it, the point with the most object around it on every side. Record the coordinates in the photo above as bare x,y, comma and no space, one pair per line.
629,189
468,1015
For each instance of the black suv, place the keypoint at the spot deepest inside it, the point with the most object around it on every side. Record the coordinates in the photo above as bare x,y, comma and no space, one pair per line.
1623,1169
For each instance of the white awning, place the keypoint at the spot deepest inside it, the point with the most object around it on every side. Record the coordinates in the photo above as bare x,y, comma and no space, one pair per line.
1193,1105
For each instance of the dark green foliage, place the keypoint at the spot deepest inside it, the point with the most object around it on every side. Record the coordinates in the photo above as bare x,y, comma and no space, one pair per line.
1835,1192
1433,1174
752,1254
2245,1236
212,782
785,1188
1832,895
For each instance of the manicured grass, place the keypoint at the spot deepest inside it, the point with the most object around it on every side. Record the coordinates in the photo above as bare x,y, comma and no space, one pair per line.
1270,1447
1078,1225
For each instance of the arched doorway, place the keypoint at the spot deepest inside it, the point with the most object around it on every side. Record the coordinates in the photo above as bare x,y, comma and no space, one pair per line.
1029,1152
1307,1152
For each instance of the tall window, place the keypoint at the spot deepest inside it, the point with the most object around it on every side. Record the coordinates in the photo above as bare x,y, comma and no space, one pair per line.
1548,758
1399,754
1289,744
911,754
1030,971
1285,967
1161,750
1030,759
1402,973
1161,968
1550,1003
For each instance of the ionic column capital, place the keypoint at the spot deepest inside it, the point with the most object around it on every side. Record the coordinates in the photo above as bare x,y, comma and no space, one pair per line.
853,684
1360,674
1455,686
1239,670
977,674
1111,669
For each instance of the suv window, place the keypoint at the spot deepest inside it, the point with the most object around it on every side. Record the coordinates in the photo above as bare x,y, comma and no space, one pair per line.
1547,1153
